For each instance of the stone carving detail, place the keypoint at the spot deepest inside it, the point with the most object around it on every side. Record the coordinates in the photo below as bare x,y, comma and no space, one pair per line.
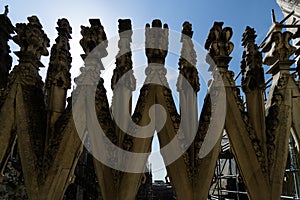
156,45
43,149
6,29
156,42
123,76
58,79
94,36
171,108
58,73
188,59
272,120
33,44
278,47
188,78
218,44
12,186
32,39
94,43
251,65
252,134
123,59
25,90
203,126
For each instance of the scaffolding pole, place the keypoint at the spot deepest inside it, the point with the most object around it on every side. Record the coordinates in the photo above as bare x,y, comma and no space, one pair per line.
294,167
217,192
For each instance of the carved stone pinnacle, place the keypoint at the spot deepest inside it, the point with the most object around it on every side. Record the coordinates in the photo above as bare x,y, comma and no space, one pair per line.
32,40
251,65
156,42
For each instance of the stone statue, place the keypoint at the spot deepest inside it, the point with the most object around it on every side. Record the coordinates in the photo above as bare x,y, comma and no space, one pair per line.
278,47
6,10
31,38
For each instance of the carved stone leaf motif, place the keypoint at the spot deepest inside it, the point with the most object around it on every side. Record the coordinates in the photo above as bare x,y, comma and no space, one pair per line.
218,41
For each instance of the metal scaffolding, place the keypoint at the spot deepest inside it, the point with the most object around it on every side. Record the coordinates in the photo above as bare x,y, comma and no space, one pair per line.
227,183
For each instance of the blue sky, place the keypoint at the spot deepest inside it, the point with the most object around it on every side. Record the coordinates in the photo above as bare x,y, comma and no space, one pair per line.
202,13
